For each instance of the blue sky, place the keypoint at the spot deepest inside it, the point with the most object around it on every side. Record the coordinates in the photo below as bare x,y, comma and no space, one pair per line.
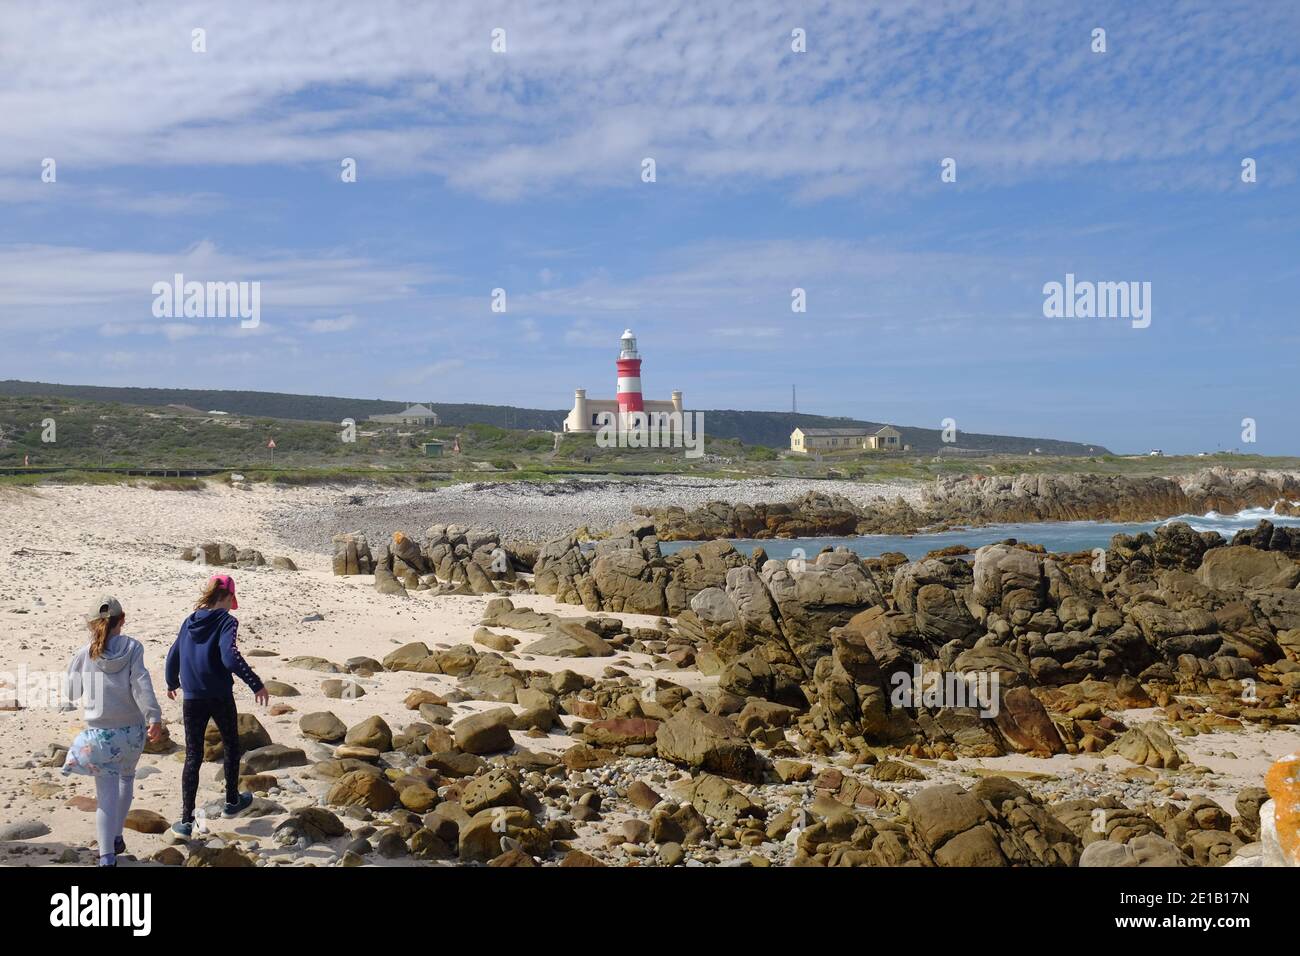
521,170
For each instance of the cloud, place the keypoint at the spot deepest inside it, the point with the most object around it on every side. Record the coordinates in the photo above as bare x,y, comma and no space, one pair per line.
324,326
52,286
711,90
529,330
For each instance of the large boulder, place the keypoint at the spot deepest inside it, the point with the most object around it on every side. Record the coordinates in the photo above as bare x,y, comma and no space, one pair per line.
362,789
482,836
323,726
373,732
1147,850
1025,724
485,733
569,638
702,741
1237,568
1009,579
626,581
252,735
407,657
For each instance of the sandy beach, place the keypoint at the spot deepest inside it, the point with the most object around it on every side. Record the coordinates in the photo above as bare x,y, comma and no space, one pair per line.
62,547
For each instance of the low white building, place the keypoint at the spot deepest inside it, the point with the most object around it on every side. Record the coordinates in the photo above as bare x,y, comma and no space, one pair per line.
585,416
412,415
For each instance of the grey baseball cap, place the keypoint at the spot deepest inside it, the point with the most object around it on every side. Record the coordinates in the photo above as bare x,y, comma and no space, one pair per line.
106,608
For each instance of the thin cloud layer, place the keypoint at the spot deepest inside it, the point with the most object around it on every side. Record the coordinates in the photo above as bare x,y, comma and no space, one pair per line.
712,90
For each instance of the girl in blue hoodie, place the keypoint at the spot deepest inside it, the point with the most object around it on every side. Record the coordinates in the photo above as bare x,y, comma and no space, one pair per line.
110,675
202,664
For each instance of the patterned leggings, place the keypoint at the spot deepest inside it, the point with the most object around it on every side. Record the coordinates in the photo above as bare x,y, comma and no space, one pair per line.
197,711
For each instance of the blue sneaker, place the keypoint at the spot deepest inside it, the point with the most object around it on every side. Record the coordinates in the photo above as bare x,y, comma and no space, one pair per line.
108,860
119,846
183,829
235,809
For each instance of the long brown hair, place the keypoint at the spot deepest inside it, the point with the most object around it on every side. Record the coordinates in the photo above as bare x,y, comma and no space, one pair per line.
213,594
100,630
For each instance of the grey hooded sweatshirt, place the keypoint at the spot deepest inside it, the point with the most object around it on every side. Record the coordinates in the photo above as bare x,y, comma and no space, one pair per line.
117,689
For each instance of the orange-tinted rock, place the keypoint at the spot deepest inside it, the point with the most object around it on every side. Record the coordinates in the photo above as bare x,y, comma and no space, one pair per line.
1283,784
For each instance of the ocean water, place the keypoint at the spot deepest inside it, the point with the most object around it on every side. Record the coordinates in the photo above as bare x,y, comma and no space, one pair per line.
1052,535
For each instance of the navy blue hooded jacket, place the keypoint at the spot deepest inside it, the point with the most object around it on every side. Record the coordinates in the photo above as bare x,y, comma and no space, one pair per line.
204,658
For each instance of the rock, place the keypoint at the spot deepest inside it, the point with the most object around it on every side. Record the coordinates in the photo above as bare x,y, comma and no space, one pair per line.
1147,850
169,856
357,752
583,757
1237,568
22,830
719,800
222,857
1025,724
359,789
578,858
311,663
1148,745
386,583
146,821
308,825
486,732
513,857
482,835
271,757
323,726
621,732
352,554
407,657
793,771
372,732
569,639
894,771
252,735
496,788
342,689
672,854
498,642
416,698
418,798
279,689
437,714
709,742
427,845
641,796
1280,817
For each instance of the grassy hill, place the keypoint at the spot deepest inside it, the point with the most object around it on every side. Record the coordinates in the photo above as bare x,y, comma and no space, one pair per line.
771,429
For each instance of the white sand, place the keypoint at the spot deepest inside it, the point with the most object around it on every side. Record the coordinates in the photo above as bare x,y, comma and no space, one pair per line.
125,543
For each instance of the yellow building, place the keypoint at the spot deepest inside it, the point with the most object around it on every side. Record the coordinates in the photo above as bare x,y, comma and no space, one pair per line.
885,439
806,440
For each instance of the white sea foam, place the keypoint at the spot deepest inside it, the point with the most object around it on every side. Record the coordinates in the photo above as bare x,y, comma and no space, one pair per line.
1229,524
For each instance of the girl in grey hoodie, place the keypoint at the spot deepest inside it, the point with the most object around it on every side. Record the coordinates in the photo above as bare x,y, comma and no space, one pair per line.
109,673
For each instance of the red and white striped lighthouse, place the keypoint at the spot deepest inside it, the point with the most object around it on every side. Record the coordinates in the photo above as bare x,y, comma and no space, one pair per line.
629,377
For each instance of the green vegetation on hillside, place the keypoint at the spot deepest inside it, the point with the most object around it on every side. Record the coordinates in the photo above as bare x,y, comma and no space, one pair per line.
771,429
92,435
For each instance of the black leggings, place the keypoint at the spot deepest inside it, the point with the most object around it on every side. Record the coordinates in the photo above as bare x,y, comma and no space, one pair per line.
197,711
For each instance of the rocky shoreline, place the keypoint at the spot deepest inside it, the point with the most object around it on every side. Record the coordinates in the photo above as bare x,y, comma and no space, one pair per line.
469,700
536,511
980,500
1202,632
